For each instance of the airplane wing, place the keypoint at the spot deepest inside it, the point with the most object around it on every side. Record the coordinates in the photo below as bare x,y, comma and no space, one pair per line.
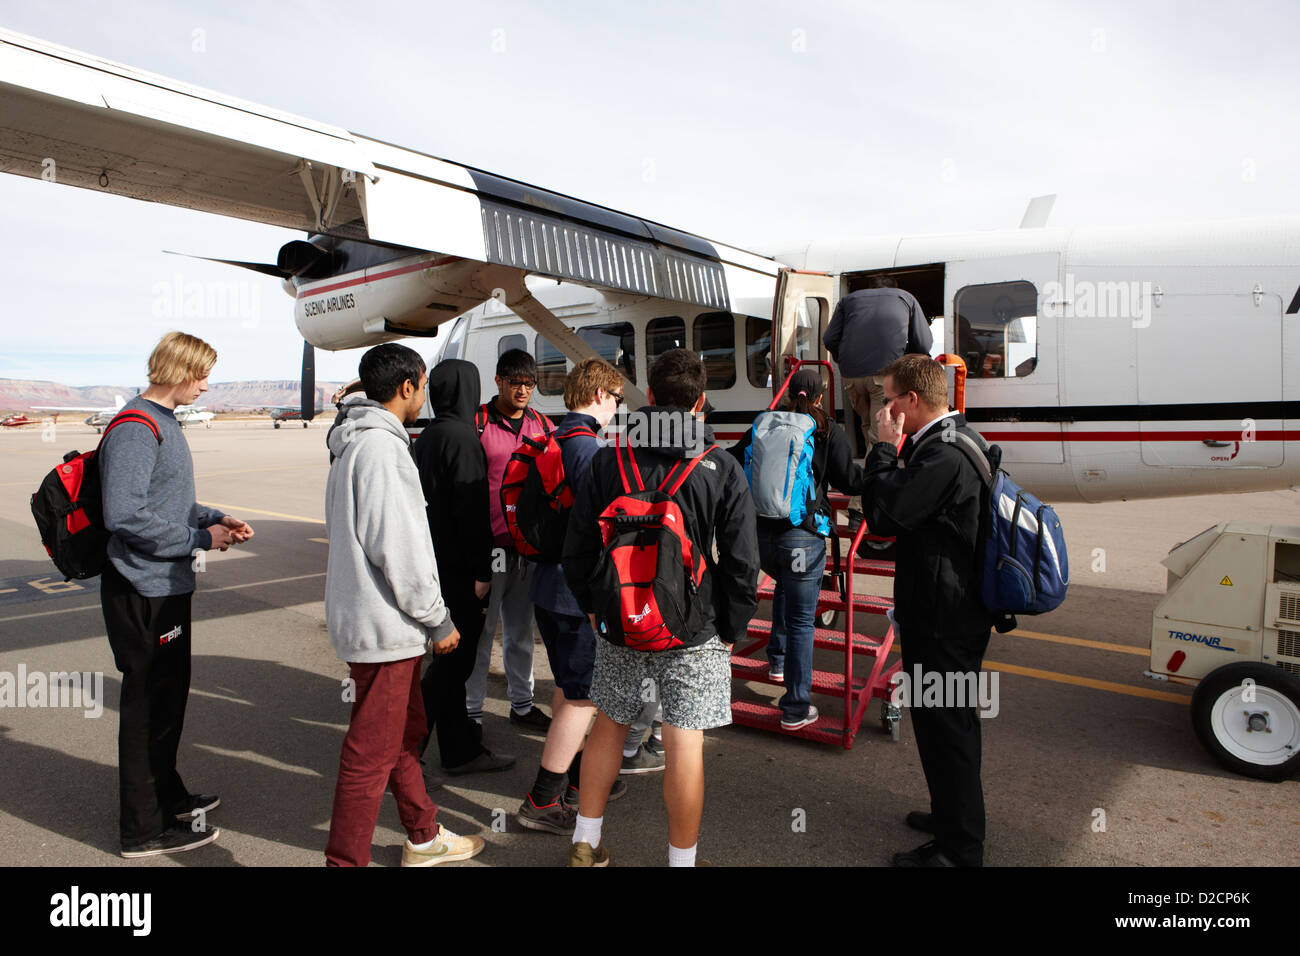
79,120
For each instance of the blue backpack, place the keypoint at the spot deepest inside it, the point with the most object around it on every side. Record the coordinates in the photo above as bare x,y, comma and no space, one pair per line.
1022,547
779,467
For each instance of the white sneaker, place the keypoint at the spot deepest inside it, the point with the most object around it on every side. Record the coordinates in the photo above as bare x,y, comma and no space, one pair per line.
446,848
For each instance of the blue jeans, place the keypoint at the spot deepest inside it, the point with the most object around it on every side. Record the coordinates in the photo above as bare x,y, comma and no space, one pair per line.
796,560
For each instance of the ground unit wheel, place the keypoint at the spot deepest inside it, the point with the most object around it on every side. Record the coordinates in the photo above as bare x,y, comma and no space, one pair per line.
1257,737
891,719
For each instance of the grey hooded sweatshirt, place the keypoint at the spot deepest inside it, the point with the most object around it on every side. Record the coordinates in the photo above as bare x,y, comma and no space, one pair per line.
383,601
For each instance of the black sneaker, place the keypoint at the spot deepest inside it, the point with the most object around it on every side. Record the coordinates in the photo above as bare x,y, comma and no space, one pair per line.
644,760
534,719
173,840
486,762
194,805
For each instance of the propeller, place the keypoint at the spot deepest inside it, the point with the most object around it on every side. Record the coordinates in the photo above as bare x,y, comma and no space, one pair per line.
308,382
266,268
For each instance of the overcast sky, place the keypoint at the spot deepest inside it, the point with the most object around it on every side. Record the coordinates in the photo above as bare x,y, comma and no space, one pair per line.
752,123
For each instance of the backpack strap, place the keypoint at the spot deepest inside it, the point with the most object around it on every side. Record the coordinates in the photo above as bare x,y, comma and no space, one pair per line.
544,420
576,431
134,415
977,457
622,473
685,473
973,452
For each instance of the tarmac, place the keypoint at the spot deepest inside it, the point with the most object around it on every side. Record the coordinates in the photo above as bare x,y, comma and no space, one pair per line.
1086,762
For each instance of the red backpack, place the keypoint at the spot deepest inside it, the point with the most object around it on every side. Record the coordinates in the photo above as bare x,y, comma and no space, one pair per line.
69,508
536,496
650,578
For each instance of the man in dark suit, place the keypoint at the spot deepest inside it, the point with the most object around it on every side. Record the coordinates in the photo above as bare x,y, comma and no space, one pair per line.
928,494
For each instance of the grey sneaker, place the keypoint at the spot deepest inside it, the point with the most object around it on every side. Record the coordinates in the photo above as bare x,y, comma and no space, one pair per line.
557,817
618,790
809,718
644,760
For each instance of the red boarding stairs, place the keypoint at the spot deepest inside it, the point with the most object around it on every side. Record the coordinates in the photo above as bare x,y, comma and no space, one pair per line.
749,662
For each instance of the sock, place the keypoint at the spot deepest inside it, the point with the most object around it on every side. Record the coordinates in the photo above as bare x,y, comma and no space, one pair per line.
547,787
575,772
678,857
632,752
587,830
424,846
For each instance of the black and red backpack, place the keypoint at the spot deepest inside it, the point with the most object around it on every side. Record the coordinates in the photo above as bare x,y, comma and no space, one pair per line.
69,507
536,496
649,587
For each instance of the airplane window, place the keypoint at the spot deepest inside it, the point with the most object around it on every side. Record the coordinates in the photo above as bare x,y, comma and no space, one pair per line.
508,342
715,342
758,351
662,334
997,329
551,368
615,342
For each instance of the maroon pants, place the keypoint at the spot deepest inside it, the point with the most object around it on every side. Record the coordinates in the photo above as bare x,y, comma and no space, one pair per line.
381,750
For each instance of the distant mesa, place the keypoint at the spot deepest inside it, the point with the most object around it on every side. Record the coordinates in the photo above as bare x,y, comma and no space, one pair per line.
21,394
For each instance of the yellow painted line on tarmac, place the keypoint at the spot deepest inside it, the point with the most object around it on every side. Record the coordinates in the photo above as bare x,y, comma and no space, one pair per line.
1105,685
237,510
1083,642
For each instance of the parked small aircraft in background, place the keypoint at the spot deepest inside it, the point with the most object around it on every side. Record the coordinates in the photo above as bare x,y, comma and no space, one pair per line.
13,421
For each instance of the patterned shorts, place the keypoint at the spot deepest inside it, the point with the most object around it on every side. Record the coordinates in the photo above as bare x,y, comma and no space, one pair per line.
693,684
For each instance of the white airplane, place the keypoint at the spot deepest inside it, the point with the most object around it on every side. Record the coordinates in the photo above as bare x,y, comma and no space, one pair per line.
193,415
1108,362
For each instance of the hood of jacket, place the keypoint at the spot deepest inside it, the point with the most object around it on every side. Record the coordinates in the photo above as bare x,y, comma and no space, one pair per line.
669,431
360,416
454,390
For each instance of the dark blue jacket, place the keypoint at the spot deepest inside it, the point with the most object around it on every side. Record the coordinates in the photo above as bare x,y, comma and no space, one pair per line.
548,589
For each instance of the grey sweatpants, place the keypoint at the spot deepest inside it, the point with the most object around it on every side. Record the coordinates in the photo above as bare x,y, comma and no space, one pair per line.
509,603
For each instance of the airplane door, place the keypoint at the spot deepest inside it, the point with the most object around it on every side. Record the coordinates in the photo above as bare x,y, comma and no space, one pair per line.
800,314
1002,322
1219,359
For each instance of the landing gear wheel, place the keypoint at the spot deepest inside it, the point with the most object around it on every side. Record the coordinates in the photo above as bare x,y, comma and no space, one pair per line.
306,424
831,620
275,424
891,719
1248,717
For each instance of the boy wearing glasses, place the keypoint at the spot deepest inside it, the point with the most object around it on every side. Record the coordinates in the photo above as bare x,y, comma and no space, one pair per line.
502,425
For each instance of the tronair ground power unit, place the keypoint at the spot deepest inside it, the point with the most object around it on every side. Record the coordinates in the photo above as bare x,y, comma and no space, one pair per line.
1229,624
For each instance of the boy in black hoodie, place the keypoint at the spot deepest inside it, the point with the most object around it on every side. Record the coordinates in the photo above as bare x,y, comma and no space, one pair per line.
453,475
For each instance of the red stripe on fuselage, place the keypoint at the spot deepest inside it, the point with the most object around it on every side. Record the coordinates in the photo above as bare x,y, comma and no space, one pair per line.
444,260
1113,436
